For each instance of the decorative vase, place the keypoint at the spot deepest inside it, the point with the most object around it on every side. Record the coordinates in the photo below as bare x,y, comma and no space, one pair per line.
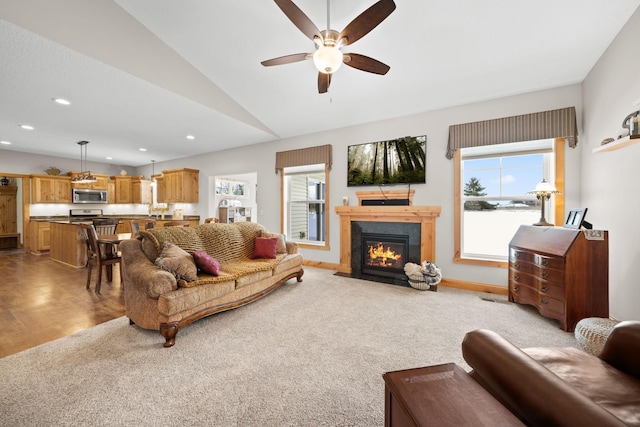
52,171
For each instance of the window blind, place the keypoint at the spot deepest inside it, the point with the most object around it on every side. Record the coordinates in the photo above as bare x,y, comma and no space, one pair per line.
304,156
527,127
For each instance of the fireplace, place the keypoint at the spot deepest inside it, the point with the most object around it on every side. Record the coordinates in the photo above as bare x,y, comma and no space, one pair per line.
388,219
384,254
379,250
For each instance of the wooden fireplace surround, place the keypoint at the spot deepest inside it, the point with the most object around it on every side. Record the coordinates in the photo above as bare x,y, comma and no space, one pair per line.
425,215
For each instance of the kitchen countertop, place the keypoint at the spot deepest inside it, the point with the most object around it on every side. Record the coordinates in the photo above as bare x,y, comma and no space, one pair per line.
65,219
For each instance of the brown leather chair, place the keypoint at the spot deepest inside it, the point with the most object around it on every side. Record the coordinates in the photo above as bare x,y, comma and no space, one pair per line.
210,220
97,258
177,224
141,224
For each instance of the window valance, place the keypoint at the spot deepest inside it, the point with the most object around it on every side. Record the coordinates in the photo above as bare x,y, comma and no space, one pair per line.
304,156
527,127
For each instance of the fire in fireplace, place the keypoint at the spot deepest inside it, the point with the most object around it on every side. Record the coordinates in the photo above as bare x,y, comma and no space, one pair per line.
384,254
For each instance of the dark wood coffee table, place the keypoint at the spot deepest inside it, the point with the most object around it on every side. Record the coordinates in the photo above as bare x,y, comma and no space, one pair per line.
442,395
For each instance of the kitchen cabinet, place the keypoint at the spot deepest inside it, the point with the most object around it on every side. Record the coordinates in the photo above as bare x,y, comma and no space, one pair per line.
160,193
68,244
50,189
39,237
9,236
180,186
232,214
161,222
111,192
141,191
100,184
562,272
123,189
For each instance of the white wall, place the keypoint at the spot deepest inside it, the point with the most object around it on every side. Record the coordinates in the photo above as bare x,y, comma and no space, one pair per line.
610,180
604,183
437,191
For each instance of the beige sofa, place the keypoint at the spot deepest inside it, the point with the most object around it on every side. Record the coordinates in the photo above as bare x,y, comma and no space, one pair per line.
167,299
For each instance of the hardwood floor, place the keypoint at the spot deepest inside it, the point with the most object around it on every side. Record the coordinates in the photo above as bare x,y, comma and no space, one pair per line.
42,300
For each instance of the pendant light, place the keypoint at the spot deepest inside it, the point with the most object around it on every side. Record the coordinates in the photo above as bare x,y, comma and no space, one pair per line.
84,177
153,173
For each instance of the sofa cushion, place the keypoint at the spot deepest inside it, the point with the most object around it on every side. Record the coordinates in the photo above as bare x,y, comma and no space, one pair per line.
206,263
288,262
250,278
189,297
265,247
281,246
178,262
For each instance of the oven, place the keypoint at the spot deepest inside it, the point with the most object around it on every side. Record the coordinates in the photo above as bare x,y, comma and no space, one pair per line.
84,215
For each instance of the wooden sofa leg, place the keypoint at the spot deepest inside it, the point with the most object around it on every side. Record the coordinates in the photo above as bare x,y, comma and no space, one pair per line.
299,277
169,331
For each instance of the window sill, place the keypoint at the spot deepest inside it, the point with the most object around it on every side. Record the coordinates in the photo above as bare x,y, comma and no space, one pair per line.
481,262
321,247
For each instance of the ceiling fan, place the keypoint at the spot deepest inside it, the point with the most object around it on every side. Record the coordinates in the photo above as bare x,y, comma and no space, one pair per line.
328,57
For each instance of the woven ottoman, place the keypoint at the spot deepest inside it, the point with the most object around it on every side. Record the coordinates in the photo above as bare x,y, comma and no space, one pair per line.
592,332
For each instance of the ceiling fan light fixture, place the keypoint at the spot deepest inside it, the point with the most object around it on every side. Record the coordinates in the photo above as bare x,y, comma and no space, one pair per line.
327,59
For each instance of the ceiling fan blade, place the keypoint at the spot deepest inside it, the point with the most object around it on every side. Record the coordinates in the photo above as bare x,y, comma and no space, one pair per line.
299,19
367,21
324,80
287,59
365,63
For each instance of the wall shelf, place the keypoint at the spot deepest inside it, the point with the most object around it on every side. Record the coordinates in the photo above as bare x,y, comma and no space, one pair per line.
622,142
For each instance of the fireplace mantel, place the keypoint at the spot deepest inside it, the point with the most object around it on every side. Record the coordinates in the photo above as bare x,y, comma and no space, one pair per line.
425,215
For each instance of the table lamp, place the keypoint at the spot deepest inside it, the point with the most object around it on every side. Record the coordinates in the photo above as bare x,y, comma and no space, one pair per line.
543,192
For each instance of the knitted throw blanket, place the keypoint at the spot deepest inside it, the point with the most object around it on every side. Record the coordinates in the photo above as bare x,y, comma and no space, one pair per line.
231,244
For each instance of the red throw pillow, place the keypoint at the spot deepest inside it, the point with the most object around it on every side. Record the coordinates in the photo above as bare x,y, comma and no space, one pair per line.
206,263
265,247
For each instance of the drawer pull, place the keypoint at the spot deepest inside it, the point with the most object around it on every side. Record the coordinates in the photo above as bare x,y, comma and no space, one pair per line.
545,262
545,274
517,264
516,289
516,277
544,288
544,301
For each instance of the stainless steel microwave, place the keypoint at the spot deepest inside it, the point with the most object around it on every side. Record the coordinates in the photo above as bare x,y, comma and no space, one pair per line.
89,196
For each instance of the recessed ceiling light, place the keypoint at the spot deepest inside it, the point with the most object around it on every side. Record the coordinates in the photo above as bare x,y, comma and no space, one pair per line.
61,101
5,142
191,137
142,149
109,158
27,127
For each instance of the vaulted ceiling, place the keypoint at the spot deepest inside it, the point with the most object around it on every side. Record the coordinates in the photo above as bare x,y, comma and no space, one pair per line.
147,73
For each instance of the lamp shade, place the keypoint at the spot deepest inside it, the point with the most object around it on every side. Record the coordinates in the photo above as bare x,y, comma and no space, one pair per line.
545,187
327,59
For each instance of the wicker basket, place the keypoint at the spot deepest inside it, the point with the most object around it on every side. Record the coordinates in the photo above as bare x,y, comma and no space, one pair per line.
420,282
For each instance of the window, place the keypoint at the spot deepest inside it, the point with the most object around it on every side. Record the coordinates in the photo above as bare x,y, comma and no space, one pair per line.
305,192
491,195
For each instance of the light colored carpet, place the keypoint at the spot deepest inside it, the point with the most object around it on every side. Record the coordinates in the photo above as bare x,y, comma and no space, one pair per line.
310,354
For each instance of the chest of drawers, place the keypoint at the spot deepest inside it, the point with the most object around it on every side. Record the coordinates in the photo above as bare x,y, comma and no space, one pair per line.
560,272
